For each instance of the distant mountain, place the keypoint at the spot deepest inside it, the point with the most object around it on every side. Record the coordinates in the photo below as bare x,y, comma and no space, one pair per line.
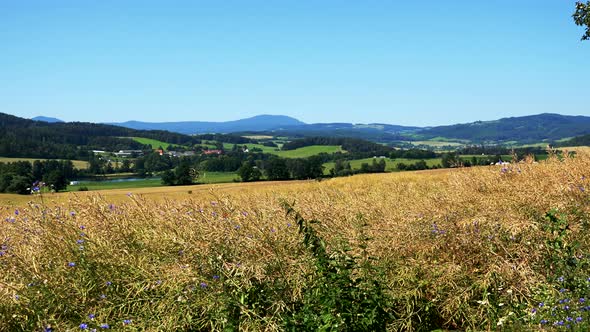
525,129
256,123
46,119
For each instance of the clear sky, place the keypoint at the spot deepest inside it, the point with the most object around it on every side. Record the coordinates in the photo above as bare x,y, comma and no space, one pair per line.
399,61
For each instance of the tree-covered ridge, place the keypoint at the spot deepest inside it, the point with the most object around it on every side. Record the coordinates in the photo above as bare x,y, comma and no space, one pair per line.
74,140
583,140
534,128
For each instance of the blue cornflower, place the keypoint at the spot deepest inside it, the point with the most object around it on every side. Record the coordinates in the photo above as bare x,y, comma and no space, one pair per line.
569,319
108,283
582,300
127,321
541,304
104,326
566,308
48,329
216,277
80,241
203,285
16,212
91,316
579,319
71,264
563,290
561,279
81,226
534,310
83,326
543,321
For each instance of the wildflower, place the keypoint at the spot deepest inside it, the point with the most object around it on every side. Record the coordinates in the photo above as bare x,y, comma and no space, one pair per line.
203,285
108,283
215,277
582,300
582,188
16,212
569,319
111,207
561,279
566,308
563,290
245,214
48,329
158,282
544,321
83,326
213,203
16,297
104,326
288,224
541,304
71,264
72,213
102,296
579,319
79,241
91,316
127,321
534,311
82,226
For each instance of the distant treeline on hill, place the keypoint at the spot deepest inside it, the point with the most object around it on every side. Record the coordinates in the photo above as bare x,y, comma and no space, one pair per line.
577,141
37,139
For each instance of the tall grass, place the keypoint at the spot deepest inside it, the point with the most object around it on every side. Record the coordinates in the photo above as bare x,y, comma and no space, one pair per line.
475,249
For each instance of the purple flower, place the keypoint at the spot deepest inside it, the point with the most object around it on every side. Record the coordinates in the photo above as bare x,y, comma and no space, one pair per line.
563,290
81,226
582,300
561,279
71,264
72,213
91,316
245,214
102,296
541,304
83,326
104,326
203,285
569,319
108,283
215,277
534,310
16,212
79,241
566,307
48,329
111,207
544,321
578,319
127,321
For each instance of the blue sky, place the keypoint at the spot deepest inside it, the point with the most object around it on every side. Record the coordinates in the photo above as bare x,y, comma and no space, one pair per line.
400,62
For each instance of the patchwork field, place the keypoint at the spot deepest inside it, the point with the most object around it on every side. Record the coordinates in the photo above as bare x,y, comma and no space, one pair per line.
79,164
488,248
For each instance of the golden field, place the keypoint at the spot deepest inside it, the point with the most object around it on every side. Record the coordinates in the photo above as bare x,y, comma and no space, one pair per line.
464,249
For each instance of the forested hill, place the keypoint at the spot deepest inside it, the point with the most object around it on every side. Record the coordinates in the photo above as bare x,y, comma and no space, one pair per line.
533,128
583,140
73,140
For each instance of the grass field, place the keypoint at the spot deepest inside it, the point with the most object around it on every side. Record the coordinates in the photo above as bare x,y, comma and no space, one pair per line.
205,178
79,164
391,164
475,249
153,142
303,152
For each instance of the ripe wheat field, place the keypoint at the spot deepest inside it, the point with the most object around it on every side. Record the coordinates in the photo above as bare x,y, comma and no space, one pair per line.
486,248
